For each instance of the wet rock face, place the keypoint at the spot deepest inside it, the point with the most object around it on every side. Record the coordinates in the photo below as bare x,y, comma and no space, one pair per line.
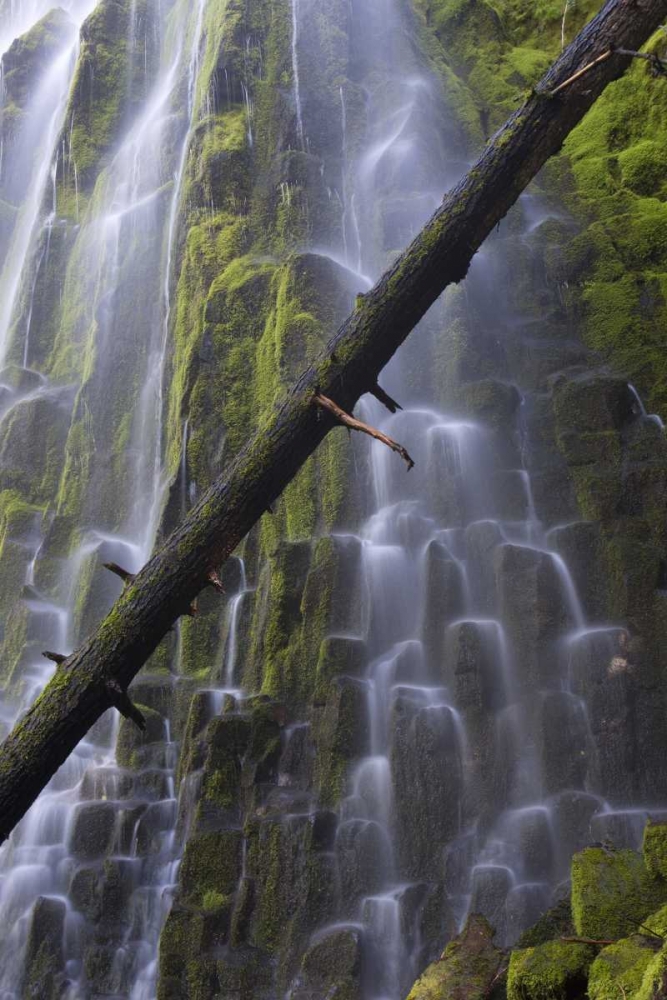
444,601
566,746
23,65
334,961
535,609
93,830
427,780
258,891
580,545
473,655
44,960
491,402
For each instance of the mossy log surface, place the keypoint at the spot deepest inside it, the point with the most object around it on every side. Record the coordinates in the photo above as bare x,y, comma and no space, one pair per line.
349,366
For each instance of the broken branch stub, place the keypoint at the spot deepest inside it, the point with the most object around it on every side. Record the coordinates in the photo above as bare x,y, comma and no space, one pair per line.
358,425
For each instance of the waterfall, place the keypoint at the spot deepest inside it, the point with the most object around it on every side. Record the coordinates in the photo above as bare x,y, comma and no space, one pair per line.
391,717
93,806
45,122
295,72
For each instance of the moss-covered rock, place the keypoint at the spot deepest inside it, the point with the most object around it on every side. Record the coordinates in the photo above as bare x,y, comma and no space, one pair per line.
135,746
468,967
211,867
556,970
100,87
655,848
654,981
332,966
619,969
612,892
341,733
27,58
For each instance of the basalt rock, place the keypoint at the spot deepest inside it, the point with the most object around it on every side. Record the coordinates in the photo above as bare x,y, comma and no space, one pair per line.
427,781
44,960
93,828
533,605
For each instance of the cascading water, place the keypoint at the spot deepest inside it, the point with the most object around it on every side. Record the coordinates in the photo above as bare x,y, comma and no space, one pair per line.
95,809
478,752
27,173
458,780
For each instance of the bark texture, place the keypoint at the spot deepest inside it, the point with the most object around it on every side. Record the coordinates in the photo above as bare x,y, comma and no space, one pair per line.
95,677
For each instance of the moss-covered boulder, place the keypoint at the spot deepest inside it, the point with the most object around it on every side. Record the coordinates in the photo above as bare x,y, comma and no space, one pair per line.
227,739
556,970
467,969
654,981
612,892
32,439
619,969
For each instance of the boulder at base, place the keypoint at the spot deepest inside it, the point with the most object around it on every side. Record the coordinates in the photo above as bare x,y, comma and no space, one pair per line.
468,967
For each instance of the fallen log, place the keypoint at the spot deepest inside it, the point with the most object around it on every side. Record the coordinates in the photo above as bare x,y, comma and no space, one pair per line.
97,675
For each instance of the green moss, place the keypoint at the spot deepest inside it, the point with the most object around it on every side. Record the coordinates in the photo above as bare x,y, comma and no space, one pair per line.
18,523
181,937
99,89
654,978
213,900
612,892
228,740
467,968
32,437
24,61
617,162
553,971
654,848
611,176
211,865
619,969
657,922
643,169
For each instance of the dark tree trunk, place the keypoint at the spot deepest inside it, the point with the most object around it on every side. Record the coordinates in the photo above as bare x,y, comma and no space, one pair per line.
94,677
